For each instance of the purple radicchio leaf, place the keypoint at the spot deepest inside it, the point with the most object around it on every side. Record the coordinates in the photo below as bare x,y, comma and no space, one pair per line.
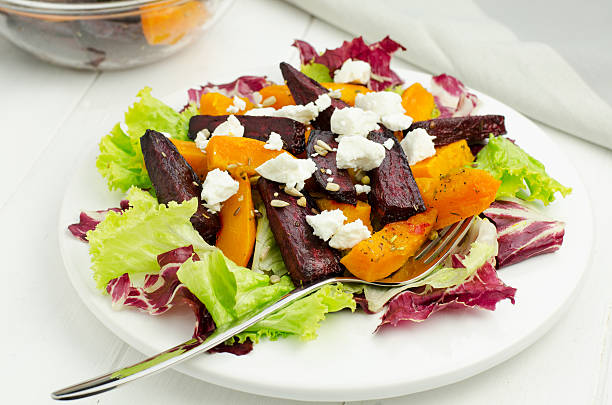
484,290
451,97
377,54
523,232
244,86
88,220
161,292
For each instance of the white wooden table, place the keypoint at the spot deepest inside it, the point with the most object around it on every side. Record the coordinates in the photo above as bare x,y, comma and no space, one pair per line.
49,339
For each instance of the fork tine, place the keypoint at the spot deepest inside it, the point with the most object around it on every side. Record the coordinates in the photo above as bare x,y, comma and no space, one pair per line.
450,240
431,244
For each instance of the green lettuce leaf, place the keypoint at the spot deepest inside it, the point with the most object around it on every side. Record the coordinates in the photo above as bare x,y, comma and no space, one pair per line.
521,175
130,242
399,89
253,291
120,160
266,255
318,72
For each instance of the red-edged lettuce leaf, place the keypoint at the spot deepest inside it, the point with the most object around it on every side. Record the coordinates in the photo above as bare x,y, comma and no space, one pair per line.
523,232
244,86
88,220
484,290
451,97
377,54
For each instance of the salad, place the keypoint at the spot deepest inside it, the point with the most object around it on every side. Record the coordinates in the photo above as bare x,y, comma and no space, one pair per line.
254,188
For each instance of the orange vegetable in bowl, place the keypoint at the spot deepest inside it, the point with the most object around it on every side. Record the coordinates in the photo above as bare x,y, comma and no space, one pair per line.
167,24
281,94
351,212
418,102
348,91
447,158
236,239
193,156
225,152
388,249
217,104
459,194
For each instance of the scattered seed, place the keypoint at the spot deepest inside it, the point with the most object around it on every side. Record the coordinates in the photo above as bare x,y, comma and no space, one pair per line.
275,194
433,235
279,203
254,179
332,187
393,238
293,192
365,180
314,211
164,154
231,166
274,279
320,150
301,201
237,211
328,171
195,183
401,248
324,145
268,101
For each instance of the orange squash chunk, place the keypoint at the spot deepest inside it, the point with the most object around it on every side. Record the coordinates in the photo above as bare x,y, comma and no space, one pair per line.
447,158
458,195
230,151
280,92
217,104
388,249
236,239
351,212
348,91
166,25
418,102
194,156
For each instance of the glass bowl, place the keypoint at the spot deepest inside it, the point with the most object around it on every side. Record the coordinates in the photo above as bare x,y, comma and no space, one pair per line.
101,34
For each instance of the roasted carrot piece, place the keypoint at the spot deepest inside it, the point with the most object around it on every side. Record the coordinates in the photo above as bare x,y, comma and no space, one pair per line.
194,156
225,152
348,91
418,102
281,94
388,249
447,158
236,239
351,212
166,25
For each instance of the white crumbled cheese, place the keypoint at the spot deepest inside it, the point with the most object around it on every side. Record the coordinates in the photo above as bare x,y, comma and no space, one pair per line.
218,187
349,235
328,171
201,139
261,112
231,127
396,122
330,179
257,98
323,102
353,71
274,142
238,105
362,188
388,144
380,102
301,113
418,145
288,170
356,152
326,224
352,121
335,93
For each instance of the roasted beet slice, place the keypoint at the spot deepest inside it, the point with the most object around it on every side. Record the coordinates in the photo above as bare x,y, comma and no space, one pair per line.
307,257
305,90
175,180
394,195
474,129
292,132
326,168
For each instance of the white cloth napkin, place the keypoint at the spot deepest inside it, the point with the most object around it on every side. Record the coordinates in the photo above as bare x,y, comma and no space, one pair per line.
457,37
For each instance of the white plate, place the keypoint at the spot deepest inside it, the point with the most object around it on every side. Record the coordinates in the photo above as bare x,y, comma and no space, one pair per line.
347,361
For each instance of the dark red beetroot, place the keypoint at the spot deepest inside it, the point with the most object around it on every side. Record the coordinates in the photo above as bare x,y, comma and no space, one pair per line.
292,132
346,193
394,195
305,90
474,129
307,257
175,180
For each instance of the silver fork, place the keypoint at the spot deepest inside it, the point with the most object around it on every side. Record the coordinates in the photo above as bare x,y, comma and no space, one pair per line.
425,260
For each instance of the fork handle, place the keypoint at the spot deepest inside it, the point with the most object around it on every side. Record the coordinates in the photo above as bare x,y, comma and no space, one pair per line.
185,350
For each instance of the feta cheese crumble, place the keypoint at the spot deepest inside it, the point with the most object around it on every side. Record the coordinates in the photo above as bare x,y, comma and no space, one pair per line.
335,93
362,189
388,144
353,71
418,145
349,235
323,102
217,188
356,152
396,122
231,127
388,106
288,170
238,105
352,121
201,139
326,224
274,142
261,112
301,113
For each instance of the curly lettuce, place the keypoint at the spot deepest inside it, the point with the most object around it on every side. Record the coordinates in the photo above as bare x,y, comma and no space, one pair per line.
521,175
